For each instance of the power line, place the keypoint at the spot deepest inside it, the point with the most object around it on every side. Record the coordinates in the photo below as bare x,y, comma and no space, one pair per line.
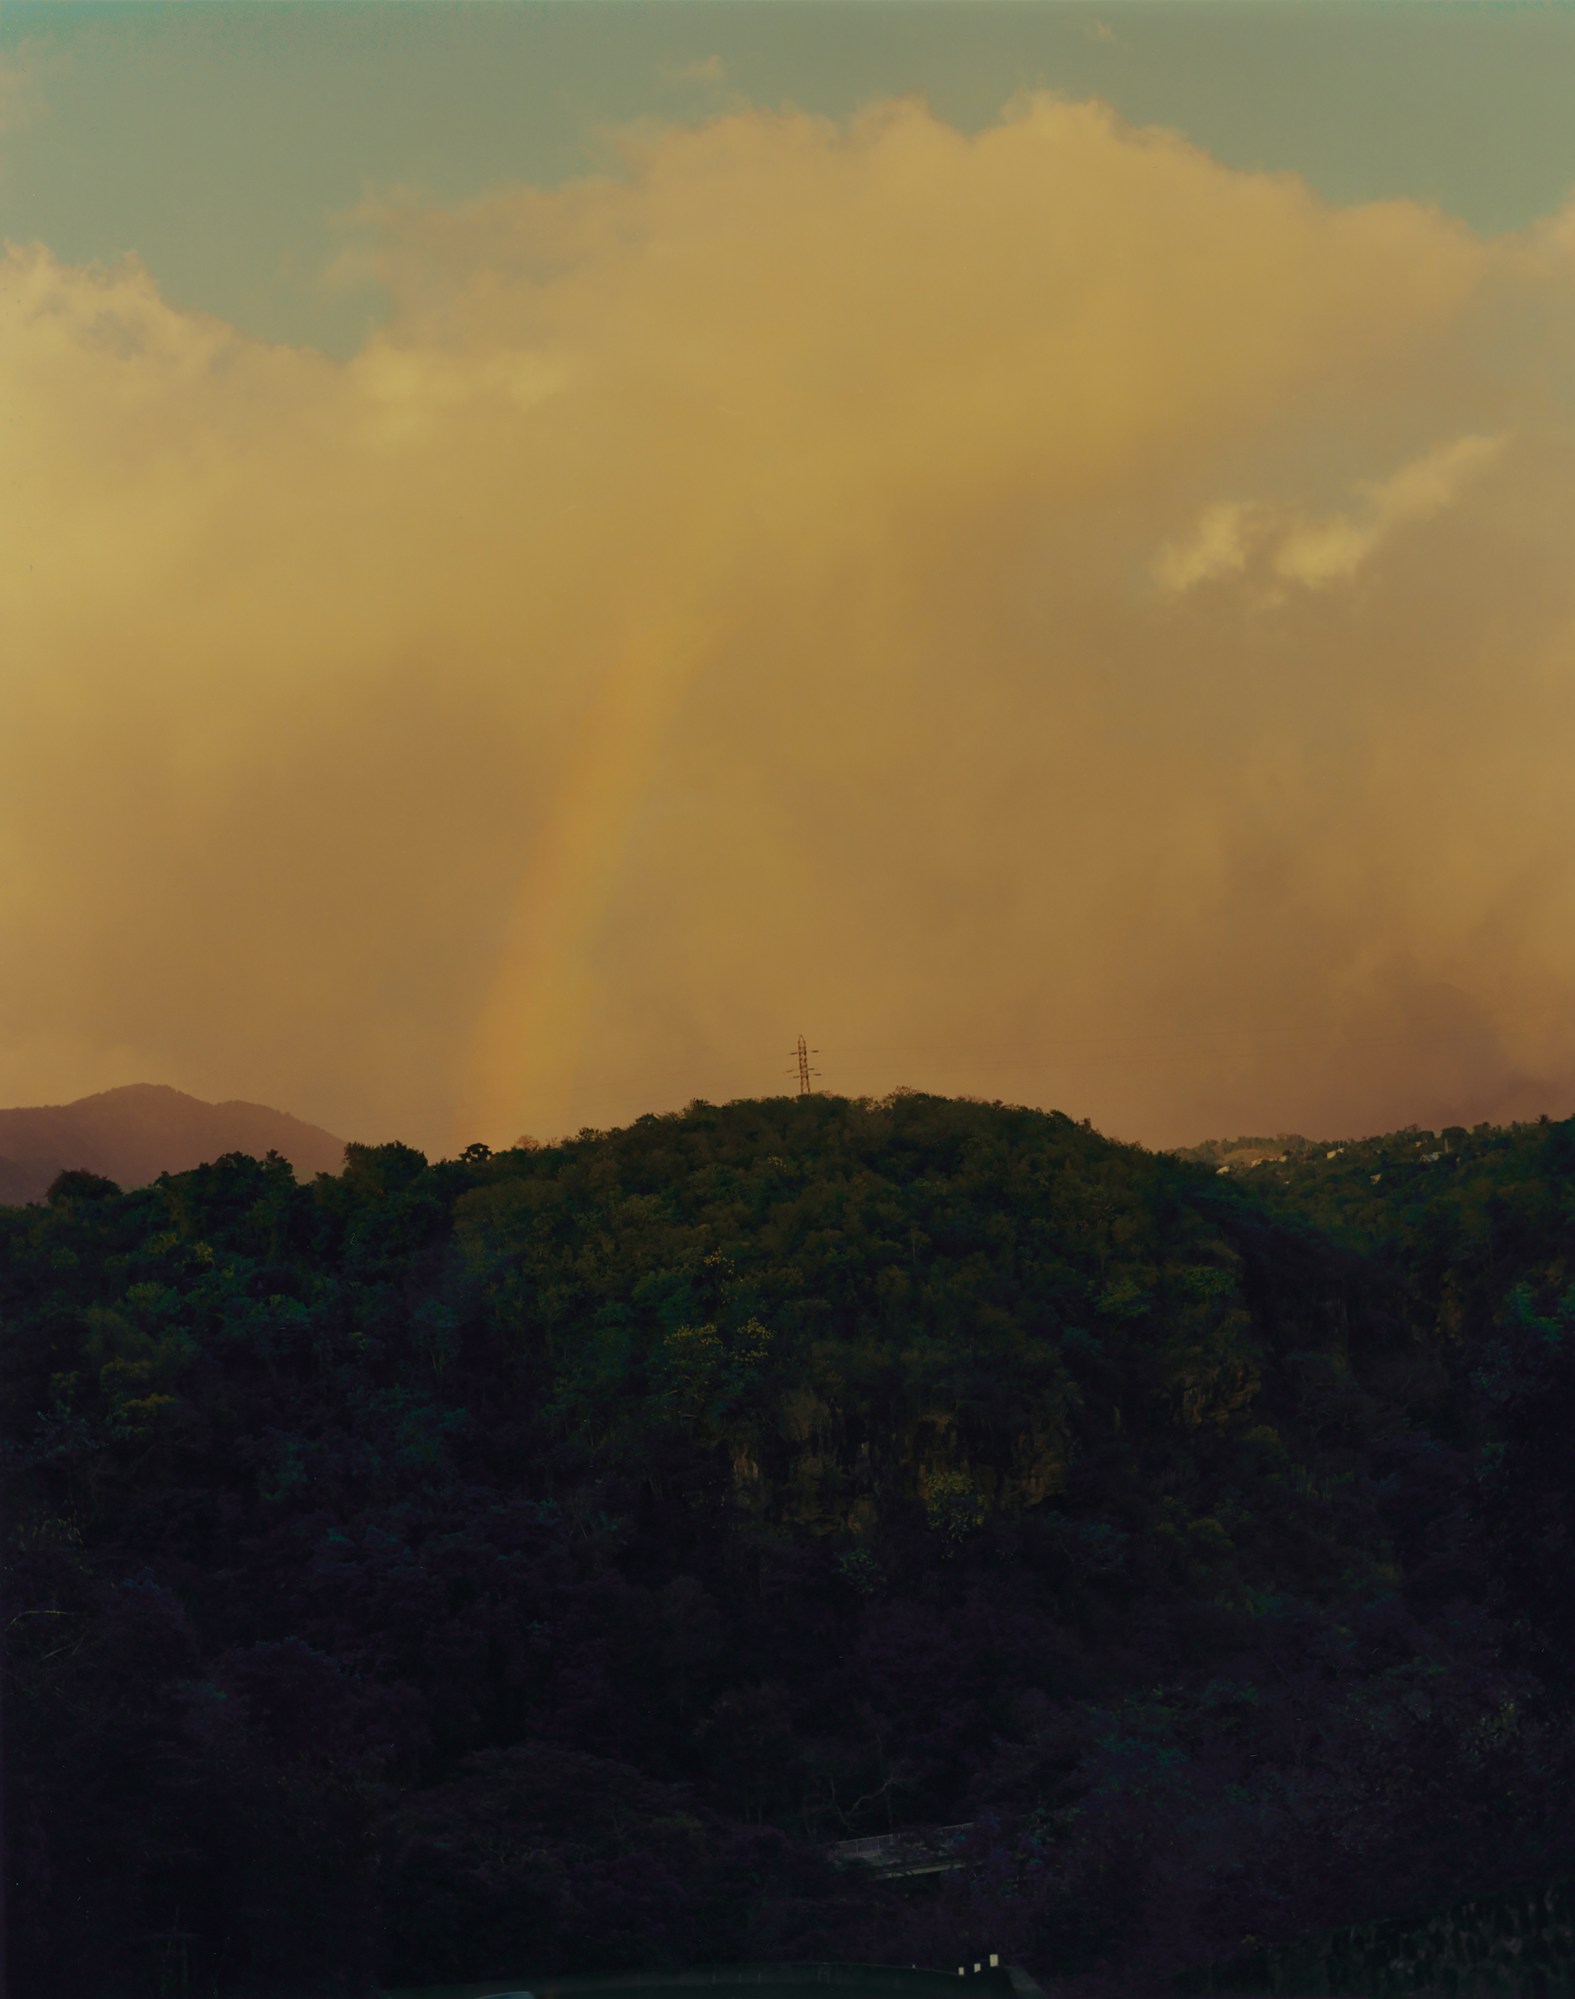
1051,1053
1226,1036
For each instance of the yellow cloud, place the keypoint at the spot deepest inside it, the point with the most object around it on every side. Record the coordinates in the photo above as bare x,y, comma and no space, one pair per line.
1314,552
706,609
1217,546
1318,552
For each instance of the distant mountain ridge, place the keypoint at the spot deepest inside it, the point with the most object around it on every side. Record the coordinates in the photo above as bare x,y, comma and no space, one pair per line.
133,1134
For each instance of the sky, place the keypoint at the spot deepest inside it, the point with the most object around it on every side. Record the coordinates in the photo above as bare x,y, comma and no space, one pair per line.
546,550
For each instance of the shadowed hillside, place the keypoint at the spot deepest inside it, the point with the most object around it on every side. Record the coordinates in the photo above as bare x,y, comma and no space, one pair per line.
537,1563
133,1134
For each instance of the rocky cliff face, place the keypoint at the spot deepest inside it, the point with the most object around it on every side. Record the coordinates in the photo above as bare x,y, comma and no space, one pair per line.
816,1473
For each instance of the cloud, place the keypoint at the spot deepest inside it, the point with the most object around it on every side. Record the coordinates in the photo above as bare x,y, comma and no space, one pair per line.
719,602
1217,546
1314,552
1319,552
707,69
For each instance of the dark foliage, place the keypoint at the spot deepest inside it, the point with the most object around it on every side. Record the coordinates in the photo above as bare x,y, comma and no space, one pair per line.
531,1561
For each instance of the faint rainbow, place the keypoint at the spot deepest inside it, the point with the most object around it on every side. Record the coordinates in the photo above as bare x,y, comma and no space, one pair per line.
527,1042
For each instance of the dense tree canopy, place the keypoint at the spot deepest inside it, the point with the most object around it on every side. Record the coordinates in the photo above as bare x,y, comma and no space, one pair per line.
532,1561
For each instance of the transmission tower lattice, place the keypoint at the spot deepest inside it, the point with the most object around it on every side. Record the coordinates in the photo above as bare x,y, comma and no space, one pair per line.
804,1072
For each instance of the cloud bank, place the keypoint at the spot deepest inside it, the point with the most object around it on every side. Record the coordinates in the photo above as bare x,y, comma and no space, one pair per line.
1047,615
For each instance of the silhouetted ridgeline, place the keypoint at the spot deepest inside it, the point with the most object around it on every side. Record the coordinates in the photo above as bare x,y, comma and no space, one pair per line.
534,1563
133,1134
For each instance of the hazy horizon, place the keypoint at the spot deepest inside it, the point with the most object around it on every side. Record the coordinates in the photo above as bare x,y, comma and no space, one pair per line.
549,550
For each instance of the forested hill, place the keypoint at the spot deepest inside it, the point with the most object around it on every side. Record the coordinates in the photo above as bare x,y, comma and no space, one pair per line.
530,1563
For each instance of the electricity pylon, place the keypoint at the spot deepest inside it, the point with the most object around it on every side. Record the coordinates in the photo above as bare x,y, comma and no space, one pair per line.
804,1072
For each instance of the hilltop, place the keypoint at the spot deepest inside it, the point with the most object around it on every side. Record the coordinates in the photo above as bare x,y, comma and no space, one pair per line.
133,1134
538,1561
